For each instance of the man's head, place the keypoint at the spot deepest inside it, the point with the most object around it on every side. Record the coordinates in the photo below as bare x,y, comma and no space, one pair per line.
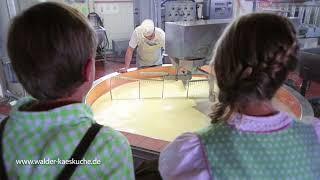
148,29
52,48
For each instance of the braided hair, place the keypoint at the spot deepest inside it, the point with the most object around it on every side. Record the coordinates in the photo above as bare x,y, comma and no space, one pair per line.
251,61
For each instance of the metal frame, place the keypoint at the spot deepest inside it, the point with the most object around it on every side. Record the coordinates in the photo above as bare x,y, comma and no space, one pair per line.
7,11
12,89
162,82
307,13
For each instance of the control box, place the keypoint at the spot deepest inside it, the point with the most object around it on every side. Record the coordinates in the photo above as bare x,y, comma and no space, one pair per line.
180,11
221,9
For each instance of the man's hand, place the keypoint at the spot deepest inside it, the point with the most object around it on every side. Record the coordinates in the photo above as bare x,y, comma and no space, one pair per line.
123,70
127,60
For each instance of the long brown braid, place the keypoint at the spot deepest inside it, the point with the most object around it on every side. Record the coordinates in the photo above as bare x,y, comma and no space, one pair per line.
252,60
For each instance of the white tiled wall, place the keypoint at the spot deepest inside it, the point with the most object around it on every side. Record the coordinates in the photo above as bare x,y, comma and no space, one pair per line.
24,4
117,19
117,16
244,7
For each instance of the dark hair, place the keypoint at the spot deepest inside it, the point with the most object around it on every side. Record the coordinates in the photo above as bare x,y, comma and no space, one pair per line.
252,60
49,45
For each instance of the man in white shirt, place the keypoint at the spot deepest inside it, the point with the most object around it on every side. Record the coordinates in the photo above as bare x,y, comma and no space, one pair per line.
149,41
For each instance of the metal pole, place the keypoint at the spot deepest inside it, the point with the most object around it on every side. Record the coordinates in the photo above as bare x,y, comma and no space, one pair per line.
111,89
316,16
162,86
188,88
254,6
11,8
139,89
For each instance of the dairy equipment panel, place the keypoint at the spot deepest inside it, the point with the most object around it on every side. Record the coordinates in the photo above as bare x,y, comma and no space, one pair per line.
180,11
221,9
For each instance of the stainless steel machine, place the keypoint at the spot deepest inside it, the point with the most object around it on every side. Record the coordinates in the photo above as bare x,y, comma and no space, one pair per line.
219,9
190,44
162,11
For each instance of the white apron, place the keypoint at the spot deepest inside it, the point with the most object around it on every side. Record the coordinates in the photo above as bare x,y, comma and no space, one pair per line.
149,53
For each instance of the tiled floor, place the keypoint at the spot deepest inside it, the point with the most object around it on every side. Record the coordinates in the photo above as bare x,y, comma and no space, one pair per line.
112,65
4,109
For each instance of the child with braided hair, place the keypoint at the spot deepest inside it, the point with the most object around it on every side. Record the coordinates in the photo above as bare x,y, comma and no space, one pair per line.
249,138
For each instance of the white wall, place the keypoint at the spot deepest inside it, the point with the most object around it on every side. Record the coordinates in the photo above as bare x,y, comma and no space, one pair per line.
82,7
117,18
241,7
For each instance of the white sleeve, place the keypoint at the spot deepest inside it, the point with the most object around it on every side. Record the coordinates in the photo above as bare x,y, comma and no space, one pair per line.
163,39
133,43
184,159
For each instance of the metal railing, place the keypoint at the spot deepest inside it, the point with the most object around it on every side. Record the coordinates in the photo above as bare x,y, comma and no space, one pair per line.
308,14
11,79
158,88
